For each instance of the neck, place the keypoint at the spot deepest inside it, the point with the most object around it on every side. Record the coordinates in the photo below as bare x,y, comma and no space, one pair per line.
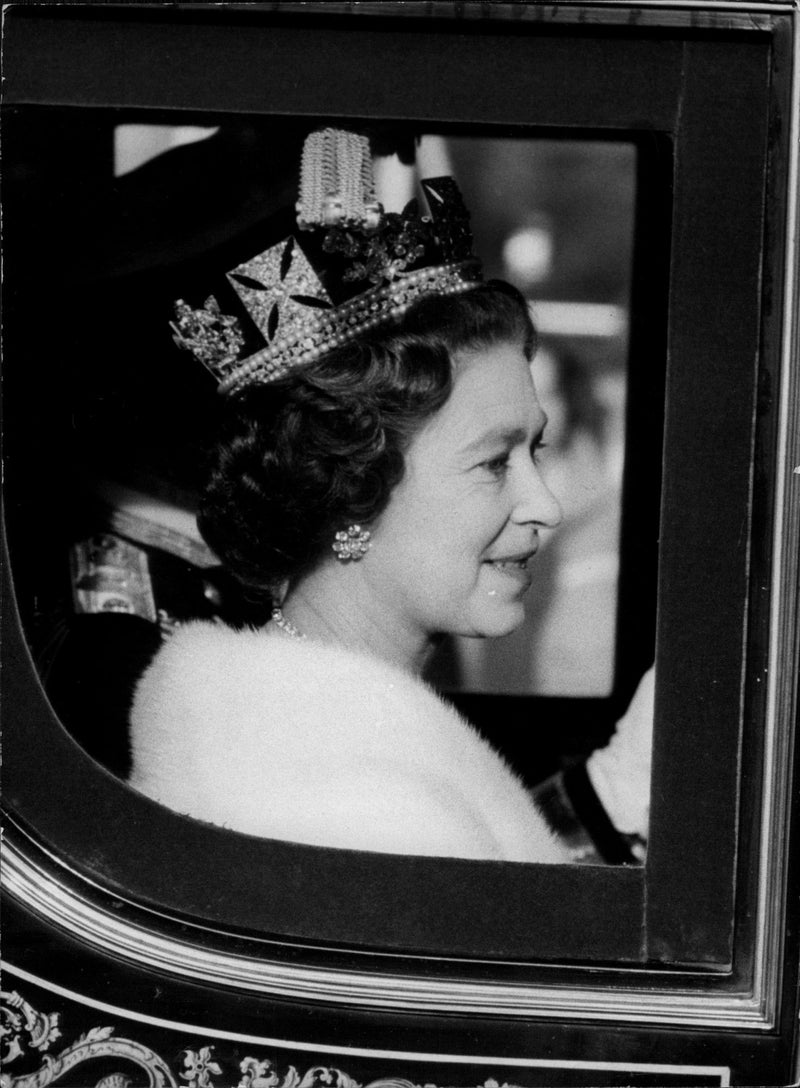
332,605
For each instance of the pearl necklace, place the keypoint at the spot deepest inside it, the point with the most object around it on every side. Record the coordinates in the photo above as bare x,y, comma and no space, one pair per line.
288,628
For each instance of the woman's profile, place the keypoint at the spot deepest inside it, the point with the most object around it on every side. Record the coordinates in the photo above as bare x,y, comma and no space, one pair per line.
375,479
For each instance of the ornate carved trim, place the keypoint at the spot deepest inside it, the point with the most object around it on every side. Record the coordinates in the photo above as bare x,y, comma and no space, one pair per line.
57,902
23,1029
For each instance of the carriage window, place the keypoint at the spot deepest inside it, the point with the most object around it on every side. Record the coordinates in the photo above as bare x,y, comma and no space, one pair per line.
556,218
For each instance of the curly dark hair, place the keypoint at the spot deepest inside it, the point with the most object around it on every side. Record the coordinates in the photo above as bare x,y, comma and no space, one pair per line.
298,458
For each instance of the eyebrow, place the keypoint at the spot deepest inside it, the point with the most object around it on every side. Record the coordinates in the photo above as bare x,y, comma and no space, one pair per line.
511,436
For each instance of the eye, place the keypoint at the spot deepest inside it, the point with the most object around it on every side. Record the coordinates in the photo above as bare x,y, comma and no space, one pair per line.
536,449
496,466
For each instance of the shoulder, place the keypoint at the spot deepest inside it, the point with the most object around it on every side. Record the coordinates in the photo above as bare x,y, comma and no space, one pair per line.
210,671
213,694
293,740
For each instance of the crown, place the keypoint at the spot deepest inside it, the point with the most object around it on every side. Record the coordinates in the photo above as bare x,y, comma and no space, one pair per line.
350,268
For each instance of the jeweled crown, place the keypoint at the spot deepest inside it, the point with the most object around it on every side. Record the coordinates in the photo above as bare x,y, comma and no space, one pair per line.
350,268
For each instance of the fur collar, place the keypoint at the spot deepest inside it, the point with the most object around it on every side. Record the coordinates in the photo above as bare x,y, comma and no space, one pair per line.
308,743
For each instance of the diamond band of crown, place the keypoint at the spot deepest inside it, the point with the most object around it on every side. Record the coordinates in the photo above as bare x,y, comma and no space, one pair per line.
314,336
360,268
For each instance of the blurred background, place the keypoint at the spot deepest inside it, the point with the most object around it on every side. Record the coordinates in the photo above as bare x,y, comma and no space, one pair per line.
556,219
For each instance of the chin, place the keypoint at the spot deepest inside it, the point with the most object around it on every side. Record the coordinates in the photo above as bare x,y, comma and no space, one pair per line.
503,621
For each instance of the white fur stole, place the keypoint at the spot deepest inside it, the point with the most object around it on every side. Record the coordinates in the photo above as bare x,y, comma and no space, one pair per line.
308,743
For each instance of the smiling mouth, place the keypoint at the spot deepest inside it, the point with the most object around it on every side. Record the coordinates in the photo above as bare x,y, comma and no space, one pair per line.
514,565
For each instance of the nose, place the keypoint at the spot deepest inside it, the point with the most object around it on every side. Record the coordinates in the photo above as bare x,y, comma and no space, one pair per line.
535,502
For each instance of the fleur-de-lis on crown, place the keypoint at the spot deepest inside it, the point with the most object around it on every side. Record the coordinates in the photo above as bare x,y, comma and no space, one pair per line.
213,337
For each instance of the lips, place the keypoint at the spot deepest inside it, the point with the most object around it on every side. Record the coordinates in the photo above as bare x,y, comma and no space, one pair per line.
514,566
518,559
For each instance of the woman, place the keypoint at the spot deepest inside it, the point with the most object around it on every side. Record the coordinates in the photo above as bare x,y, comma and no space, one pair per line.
377,480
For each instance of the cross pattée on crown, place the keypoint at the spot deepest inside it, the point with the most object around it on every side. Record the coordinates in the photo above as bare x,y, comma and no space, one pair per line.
280,290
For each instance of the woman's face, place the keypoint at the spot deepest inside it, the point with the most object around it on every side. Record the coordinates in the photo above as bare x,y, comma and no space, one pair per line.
452,551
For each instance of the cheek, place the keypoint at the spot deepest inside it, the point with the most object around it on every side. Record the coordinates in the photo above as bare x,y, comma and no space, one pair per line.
429,559
479,523
449,554
419,515
436,533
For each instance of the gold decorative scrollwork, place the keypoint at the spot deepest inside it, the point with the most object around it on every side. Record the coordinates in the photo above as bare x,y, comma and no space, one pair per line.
263,1074
18,1019
24,1029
